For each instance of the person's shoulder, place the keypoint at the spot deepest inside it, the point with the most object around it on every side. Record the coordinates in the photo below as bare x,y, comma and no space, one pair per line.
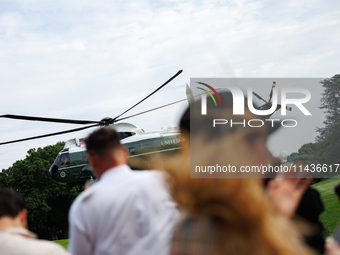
14,242
146,177
83,197
152,182
155,174
42,247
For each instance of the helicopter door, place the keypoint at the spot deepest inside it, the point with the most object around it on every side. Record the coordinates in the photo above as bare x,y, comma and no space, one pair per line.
78,162
133,148
76,158
148,150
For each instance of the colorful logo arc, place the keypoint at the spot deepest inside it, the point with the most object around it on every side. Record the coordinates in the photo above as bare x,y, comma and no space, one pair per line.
213,90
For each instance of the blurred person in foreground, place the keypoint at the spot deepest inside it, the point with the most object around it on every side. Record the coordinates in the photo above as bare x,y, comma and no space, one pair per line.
333,243
15,239
230,215
125,211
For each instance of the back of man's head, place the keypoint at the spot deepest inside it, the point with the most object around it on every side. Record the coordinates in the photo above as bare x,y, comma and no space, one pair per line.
102,142
11,203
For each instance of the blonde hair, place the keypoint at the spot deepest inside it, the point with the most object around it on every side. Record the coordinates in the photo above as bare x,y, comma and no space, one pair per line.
246,223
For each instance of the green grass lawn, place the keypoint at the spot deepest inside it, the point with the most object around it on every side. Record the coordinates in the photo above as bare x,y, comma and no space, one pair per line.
331,216
63,242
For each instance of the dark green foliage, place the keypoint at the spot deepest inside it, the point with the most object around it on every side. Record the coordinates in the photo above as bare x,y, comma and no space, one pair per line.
328,141
291,156
47,201
307,149
330,101
326,149
308,154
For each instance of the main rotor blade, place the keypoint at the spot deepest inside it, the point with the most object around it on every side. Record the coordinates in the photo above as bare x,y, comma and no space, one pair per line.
271,92
32,118
150,110
47,135
156,108
259,97
173,77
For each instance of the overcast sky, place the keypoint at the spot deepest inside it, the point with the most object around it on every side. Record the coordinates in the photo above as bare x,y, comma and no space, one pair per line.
86,59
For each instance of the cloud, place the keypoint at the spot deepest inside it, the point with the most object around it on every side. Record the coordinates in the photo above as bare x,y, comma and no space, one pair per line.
88,60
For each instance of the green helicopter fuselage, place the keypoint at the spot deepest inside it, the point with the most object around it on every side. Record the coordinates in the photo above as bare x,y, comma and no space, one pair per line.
71,164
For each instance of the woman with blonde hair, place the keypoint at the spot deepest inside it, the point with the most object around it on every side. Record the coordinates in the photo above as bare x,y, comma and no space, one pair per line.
226,214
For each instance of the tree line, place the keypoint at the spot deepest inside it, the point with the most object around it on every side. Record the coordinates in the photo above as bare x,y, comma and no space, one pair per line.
326,148
47,201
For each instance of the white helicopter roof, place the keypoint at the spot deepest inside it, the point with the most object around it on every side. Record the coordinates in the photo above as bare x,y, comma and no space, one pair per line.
126,127
120,127
76,144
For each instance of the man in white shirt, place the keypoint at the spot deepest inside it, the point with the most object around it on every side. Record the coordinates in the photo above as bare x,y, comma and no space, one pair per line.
125,212
15,239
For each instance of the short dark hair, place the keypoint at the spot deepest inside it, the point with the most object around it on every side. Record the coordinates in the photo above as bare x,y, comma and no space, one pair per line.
102,141
11,203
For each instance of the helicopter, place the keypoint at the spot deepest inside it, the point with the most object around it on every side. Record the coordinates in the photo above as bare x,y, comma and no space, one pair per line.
71,163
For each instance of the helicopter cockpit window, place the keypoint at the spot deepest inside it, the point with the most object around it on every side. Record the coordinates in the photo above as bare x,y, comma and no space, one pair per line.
64,159
56,161
124,135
